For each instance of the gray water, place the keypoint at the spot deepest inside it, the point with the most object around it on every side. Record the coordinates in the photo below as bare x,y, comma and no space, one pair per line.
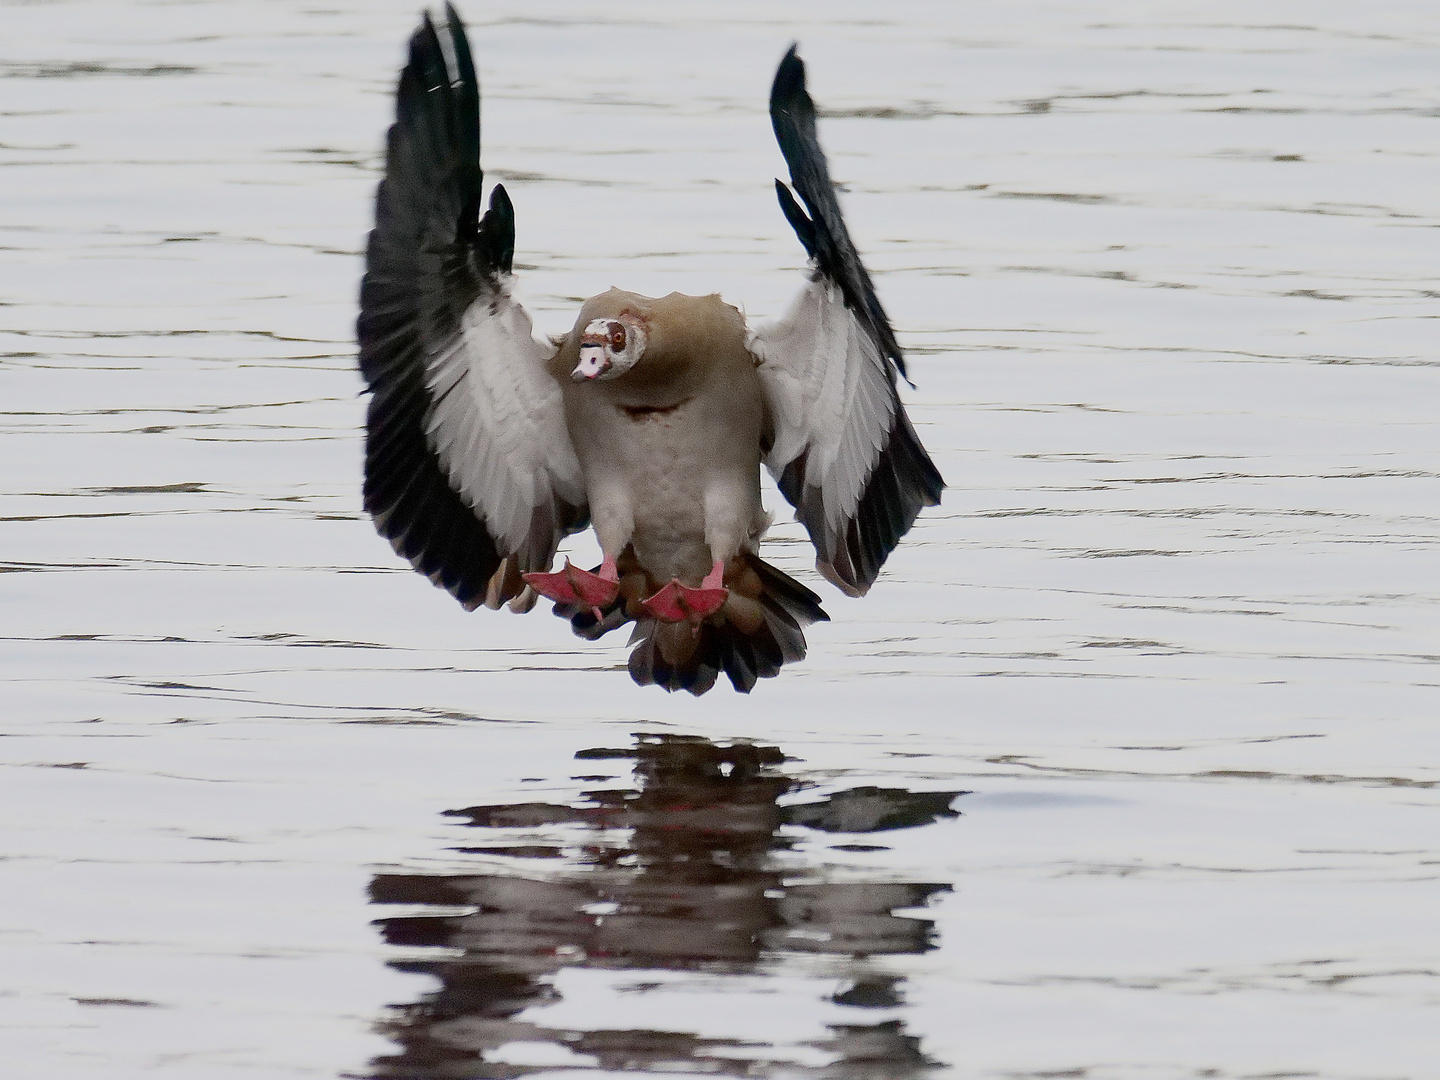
1167,278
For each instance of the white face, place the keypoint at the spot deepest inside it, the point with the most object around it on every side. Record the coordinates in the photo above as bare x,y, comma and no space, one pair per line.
609,348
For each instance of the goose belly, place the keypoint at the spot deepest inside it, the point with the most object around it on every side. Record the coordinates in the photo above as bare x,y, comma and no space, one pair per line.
680,475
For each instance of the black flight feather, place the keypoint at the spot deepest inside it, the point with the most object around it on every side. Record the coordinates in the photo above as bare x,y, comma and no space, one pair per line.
428,259
828,243
904,479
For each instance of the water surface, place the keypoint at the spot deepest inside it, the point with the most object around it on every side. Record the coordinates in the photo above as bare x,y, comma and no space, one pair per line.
1167,280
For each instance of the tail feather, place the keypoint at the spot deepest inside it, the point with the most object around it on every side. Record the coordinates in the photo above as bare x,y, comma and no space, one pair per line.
746,647
740,665
787,634
587,626
779,590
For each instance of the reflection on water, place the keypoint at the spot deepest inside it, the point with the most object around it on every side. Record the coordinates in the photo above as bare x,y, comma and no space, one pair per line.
689,876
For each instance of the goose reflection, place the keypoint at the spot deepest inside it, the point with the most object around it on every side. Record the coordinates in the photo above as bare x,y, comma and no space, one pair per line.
686,879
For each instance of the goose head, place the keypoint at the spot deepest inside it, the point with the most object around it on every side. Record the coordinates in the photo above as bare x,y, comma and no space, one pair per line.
609,348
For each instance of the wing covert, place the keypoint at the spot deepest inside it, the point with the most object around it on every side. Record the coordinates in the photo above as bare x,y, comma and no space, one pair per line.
843,451
469,471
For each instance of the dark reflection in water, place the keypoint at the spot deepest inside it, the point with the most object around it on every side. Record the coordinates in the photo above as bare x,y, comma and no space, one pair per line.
687,872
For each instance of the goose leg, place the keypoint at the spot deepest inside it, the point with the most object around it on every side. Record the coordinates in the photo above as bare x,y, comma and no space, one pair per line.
679,603
614,523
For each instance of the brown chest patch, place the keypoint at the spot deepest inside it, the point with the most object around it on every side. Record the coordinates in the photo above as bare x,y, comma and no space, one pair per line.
647,412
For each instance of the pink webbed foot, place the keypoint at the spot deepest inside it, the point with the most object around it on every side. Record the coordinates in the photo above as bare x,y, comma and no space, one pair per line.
571,585
677,603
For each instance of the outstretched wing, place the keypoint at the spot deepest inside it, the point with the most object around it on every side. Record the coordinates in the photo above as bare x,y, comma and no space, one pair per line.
469,471
843,451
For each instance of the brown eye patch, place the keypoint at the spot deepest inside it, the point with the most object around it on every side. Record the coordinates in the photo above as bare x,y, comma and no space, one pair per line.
617,336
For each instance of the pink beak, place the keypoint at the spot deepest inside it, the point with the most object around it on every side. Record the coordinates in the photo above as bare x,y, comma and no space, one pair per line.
593,363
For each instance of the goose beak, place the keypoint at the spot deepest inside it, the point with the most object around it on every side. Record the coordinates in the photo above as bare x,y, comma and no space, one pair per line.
593,363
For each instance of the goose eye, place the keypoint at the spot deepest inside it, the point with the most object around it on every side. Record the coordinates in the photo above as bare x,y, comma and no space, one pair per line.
617,336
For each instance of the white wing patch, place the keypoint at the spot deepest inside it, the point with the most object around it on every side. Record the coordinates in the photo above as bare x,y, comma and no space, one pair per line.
830,396
497,424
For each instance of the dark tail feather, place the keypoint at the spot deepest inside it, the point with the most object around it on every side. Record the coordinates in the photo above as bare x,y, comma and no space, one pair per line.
782,595
586,625
678,657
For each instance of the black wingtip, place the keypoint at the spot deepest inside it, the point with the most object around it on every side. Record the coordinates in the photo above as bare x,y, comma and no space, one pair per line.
790,106
464,60
500,202
495,242
826,239
799,221
789,100
789,77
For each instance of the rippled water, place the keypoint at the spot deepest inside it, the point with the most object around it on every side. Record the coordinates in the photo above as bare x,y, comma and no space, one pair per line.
1167,276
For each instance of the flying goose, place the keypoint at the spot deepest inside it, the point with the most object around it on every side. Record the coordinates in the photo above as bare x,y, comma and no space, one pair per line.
486,446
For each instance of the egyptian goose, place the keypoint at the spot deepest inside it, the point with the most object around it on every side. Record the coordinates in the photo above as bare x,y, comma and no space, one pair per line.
486,446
